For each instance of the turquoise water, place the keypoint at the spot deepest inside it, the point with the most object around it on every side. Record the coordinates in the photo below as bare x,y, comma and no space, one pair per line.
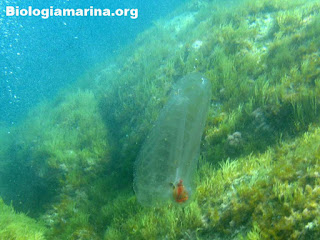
40,56
196,120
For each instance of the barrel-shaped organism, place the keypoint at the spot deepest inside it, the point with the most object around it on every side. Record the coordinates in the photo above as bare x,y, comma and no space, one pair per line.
168,159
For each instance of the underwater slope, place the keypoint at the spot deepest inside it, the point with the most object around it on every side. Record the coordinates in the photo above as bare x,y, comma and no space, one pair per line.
239,200
262,59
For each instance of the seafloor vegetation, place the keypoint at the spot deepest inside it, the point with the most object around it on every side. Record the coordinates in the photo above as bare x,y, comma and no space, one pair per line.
68,167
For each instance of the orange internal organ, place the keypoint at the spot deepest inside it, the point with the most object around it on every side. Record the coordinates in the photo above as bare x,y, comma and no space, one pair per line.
180,194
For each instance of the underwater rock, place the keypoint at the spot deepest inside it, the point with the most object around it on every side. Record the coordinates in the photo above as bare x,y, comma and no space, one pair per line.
168,158
260,121
235,139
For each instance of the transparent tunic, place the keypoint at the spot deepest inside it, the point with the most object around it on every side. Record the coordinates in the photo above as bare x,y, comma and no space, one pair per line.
165,167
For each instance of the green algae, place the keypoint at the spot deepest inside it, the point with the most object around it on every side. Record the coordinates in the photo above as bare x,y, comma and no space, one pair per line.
18,226
262,58
241,199
260,90
62,149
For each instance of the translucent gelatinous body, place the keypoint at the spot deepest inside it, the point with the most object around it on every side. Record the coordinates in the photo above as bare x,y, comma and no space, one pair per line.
170,152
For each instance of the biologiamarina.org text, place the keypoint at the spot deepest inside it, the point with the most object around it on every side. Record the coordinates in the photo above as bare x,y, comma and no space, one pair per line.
45,13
